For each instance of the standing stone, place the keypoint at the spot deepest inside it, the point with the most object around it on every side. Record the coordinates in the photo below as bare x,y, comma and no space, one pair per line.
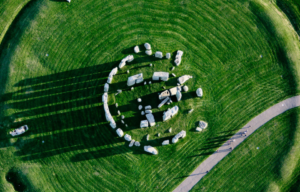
150,65
123,117
117,105
149,82
119,113
122,122
145,83
132,88
173,68
173,75
190,111
158,134
147,137
170,130
127,71
139,100
140,107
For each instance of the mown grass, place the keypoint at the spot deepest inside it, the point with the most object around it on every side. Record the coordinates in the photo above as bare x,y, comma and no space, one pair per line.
250,169
230,52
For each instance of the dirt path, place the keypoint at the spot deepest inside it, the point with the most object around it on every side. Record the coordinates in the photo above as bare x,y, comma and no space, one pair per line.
238,138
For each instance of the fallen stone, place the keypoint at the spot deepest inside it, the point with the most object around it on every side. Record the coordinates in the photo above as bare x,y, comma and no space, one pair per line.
185,88
198,129
140,107
137,144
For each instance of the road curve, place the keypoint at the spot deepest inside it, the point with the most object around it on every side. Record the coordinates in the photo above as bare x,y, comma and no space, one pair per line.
224,150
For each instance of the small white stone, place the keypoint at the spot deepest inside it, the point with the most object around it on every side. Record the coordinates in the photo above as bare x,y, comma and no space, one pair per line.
148,111
132,88
140,107
185,88
150,64
173,75
168,55
119,113
173,68
122,122
158,134
137,144
178,84
43,141
47,54
198,129
139,100
147,137
131,143
166,142
126,125
142,113
145,83
117,105
170,130
123,117
148,107
149,82
127,71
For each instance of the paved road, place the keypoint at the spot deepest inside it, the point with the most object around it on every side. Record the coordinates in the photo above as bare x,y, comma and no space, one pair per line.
235,140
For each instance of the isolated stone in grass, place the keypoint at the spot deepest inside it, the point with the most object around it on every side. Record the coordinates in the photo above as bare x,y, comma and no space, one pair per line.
158,134
140,107
159,54
127,137
150,64
142,113
147,46
119,90
122,122
123,117
145,83
148,107
139,100
180,135
137,144
184,78
173,68
173,75
149,82
148,52
132,88
166,142
120,132
191,110
136,49
168,103
203,124
170,130
185,88
119,113
147,137
150,149
168,55
131,143
199,92
127,71
198,129
69,1
47,54
116,104
144,124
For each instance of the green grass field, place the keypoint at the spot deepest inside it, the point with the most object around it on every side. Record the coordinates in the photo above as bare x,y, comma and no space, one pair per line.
243,54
